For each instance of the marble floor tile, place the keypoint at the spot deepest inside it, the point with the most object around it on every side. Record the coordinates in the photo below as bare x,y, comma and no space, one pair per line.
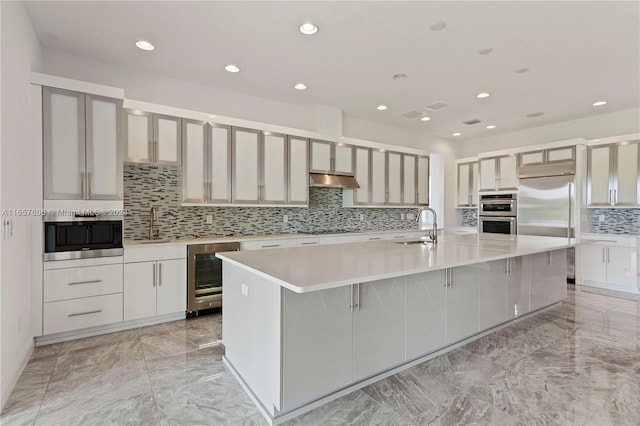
101,340
138,410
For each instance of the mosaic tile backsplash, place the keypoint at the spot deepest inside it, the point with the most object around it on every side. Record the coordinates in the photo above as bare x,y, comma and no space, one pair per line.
470,217
160,186
616,221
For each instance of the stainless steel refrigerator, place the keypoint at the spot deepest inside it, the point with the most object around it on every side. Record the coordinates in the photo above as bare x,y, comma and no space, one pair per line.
546,204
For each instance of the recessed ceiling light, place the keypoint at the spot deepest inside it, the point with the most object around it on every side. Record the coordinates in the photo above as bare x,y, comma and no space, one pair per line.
399,76
308,28
522,70
535,114
232,68
144,45
599,103
381,107
491,127
425,118
300,86
438,26
483,95
457,134
485,51
212,116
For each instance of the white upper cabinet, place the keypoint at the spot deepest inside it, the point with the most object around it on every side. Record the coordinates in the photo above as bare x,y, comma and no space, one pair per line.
194,165
409,179
298,177
499,173
152,138
613,175
219,164
246,165
331,158
273,188
468,184
82,146
423,180
394,178
378,177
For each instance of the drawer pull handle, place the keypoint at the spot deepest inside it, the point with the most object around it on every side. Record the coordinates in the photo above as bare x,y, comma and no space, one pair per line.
85,282
376,238
97,311
304,244
272,245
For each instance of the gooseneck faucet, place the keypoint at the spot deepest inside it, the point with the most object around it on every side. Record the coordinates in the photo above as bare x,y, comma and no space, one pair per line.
434,235
153,217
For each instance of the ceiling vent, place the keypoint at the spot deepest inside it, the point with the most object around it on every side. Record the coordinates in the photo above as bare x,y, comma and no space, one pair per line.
473,121
413,114
436,106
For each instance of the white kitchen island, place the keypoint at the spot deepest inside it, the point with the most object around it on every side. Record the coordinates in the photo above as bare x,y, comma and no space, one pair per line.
305,325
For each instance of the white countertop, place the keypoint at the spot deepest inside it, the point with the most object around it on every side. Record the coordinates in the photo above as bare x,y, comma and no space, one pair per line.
312,268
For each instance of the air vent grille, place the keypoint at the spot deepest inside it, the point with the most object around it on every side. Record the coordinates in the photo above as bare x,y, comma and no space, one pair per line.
436,106
473,121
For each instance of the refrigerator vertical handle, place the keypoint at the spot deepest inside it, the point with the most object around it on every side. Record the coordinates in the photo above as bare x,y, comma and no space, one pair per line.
570,187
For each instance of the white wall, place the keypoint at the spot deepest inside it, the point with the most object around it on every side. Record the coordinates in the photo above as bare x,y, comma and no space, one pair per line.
149,87
21,54
611,124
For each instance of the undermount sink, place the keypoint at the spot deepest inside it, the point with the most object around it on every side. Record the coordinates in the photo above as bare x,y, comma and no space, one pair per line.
410,243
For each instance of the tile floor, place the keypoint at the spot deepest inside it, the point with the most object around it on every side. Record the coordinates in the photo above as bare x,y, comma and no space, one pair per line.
577,364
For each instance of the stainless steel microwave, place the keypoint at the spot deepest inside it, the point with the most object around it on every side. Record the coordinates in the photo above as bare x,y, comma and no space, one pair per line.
76,237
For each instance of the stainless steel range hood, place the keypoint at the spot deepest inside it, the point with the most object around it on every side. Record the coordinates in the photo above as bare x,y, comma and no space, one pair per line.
332,181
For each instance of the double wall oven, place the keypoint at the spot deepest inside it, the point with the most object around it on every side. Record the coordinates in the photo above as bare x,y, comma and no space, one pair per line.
498,214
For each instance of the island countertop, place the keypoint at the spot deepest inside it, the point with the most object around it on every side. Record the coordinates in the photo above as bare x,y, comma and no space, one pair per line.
312,268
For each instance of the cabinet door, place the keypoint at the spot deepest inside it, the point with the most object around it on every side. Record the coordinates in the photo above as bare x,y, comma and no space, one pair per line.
423,181
549,283
561,154
378,181
343,159
394,178
298,176
194,141
622,267
140,290
63,129
167,145
593,259
532,157
462,303
518,279
475,181
492,293
138,136
425,313
219,164
104,148
488,176
274,169
409,179
625,190
599,185
464,184
508,172
171,286
246,167
380,312
320,157
362,194
317,344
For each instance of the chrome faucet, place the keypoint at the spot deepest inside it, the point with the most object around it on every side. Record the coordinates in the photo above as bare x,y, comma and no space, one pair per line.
434,233
153,217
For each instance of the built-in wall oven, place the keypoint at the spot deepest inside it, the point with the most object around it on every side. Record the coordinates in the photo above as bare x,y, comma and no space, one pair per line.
498,214
204,275
82,236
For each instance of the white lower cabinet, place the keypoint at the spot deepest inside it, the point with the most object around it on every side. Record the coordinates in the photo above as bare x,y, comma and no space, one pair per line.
425,313
67,315
492,293
462,303
378,326
317,344
518,281
544,268
610,262
154,288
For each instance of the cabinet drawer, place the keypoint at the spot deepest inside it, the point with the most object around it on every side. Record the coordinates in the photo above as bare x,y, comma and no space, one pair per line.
82,313
73,283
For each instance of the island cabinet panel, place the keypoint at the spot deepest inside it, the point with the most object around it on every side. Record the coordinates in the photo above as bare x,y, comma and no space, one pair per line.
547,285
518,270
317,344
378,326
492,293
462,303
425,313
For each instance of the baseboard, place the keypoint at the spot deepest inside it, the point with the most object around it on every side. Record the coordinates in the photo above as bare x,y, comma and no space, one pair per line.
12,378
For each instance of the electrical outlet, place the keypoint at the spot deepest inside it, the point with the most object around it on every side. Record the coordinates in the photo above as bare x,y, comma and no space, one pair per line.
285,218
209,219
401,216
361,217
601,218
245,289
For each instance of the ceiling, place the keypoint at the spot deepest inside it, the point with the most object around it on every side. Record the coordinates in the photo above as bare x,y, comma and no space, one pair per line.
576,53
